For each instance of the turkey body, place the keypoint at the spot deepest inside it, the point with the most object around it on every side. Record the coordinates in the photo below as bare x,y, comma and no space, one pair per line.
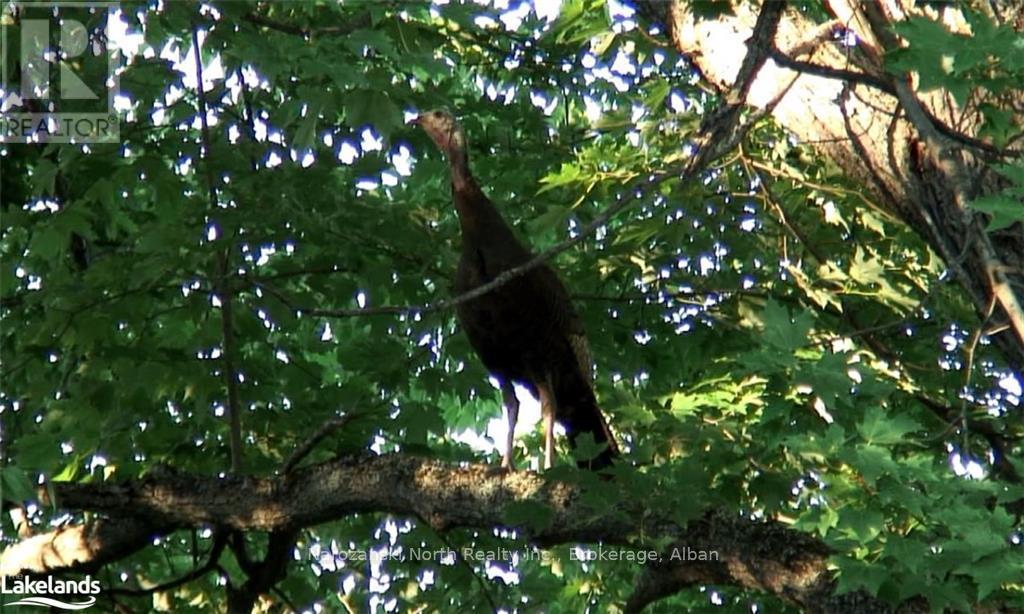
525,331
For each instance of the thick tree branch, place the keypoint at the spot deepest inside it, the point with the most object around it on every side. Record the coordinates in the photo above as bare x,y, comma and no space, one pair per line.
757,555
81,548
721,129
265,574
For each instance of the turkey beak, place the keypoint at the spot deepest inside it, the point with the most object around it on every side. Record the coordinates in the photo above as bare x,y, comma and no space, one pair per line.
416,121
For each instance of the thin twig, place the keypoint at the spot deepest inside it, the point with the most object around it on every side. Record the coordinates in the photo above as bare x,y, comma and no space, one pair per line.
881,84
230,372
219,541
871,329
477,292
223,272
972,345
280,595
472,572
302,451
323,270
357,23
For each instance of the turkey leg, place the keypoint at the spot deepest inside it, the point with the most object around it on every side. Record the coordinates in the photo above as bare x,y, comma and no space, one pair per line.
511,402
547,412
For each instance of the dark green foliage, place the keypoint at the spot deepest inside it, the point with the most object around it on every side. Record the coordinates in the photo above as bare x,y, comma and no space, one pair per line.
765,339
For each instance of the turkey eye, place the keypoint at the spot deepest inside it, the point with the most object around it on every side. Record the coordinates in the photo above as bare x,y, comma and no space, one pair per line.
437,114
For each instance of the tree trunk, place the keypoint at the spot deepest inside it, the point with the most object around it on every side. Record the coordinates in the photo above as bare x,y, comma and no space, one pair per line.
916,154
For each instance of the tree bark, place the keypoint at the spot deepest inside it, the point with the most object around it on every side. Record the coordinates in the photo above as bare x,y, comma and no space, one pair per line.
917,154
757,555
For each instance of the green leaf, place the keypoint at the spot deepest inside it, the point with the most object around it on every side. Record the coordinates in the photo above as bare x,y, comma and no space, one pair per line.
909,552
1003,210
44,174
580,20
995,571
819,519
38,451
305,136
568,174
102,192
871,461
586,448
881,429
1009,493
782,331
828,378
855,575
15,485
552,220
866,270
530,514
656,94
372,107
375,40
864,524
48,243
69,472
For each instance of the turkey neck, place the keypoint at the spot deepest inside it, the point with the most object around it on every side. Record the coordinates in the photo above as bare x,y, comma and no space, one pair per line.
483,228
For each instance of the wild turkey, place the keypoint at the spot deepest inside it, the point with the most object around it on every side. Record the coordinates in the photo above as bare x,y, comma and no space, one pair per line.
525,331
